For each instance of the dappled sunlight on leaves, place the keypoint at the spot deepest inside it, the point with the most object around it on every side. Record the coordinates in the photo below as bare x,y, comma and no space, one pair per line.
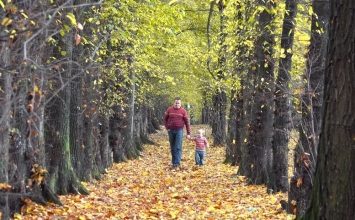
147,189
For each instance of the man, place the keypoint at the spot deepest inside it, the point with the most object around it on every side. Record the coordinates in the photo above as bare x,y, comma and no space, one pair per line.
175,118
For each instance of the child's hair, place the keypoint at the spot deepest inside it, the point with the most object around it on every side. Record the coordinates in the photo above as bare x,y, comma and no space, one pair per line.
201,131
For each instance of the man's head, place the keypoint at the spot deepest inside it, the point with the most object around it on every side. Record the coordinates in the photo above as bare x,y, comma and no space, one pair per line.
177,103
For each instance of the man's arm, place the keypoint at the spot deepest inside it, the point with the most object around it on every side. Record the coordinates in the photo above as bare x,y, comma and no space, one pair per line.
187,123
166,118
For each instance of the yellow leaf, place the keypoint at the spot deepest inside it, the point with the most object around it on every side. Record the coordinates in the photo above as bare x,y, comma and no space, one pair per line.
6,21
175,195
299,182
72,18
310,11
24,15
17,216
173,214
211,208
153,211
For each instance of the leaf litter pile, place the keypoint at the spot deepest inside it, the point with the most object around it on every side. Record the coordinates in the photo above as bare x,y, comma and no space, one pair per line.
146,188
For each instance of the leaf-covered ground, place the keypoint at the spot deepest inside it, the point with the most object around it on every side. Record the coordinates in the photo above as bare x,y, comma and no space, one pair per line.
147,189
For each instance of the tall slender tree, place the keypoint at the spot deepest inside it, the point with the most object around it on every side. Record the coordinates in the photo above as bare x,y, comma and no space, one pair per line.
219,99
305,154
239,95
6,173
279,181
256,158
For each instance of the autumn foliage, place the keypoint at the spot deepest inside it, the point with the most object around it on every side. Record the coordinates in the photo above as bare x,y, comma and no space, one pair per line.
147,189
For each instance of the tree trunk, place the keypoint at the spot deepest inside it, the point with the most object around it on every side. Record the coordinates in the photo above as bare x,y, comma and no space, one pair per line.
257,155
233,149
333,190
235,129
5,106
279,174
305,154
206,110
115,136
131,142
246,132
77,147
142,124
104,144
219,124
63,178
153,121
92,136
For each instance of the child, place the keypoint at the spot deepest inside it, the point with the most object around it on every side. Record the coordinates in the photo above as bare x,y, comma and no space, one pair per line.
201,145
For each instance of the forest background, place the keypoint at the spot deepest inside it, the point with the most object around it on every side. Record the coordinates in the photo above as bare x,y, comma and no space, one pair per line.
84,82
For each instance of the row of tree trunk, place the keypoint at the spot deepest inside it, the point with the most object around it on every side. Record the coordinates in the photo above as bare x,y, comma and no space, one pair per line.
58,125
264,111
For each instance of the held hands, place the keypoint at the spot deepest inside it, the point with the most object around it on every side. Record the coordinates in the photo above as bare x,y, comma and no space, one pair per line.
188,136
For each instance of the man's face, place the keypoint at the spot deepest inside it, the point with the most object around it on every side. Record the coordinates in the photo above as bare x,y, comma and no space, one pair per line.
177,104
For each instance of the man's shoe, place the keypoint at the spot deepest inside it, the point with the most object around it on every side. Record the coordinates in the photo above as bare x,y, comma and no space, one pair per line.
174,167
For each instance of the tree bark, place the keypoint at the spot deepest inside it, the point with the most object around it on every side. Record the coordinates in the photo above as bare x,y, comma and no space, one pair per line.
130,133
5,106
333,190
76,127
257,155
279,173
219,123
104,144
305,154
63,178
115,135
233,149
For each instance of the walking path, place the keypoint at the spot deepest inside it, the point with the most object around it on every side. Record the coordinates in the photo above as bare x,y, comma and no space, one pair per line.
146,189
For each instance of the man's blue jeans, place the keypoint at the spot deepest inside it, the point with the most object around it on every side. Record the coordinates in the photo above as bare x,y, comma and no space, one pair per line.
200,157
175,139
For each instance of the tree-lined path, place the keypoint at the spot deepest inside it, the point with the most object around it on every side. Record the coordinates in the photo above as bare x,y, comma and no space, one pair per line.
146,189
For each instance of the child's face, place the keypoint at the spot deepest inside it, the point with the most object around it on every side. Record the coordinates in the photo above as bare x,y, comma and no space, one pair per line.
200,134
